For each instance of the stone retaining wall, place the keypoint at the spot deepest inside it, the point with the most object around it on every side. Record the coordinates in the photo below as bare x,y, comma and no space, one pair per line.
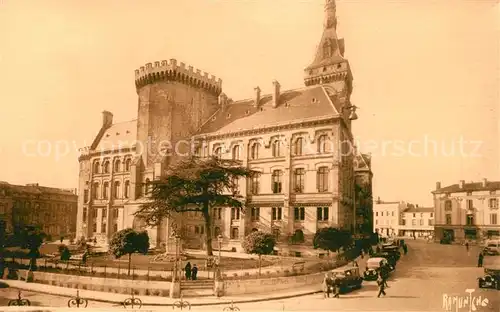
121,286
239,287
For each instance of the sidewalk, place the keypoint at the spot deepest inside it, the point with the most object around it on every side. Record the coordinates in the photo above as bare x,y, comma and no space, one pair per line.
165,301
162,301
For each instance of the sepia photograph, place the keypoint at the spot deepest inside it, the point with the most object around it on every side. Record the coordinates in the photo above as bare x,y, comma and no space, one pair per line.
250,155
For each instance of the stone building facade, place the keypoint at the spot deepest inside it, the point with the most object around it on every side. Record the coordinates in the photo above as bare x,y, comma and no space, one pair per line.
300,140
387,216
467,210
417,222
53,210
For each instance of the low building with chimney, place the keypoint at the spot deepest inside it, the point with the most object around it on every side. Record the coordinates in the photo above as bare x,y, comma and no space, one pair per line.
52,210
299,140
467,210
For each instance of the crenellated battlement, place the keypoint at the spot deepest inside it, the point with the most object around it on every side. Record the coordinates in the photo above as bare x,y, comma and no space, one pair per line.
173,71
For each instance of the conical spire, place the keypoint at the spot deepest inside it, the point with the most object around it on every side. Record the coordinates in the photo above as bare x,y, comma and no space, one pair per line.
329,64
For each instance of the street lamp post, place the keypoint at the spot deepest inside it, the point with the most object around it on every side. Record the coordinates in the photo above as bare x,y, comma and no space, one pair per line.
219,284
175,286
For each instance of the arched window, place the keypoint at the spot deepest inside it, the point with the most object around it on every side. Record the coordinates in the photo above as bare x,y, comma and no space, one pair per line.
299,146
255,184
117,166
322,179
236,152
217,231
95,190
97,166
276,181
218,152
128,164
105,190
116,191
254,151
105,166
324,144
126,190
299,177
277,148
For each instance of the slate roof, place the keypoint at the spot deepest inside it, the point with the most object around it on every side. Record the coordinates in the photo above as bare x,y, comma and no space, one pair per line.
414,209
119,135
293,106
469,187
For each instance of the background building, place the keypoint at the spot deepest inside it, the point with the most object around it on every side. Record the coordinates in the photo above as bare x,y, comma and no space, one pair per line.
53,210
387,217
467,210
417,221
300,140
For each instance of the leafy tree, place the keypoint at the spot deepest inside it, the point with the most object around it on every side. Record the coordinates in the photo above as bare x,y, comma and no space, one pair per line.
195,184
32,238
332,239
259,243
127,242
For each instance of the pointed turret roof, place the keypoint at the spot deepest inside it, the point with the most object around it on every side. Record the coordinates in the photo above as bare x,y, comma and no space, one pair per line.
329,63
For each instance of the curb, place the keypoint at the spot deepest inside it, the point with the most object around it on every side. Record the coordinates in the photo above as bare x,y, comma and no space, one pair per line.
222,302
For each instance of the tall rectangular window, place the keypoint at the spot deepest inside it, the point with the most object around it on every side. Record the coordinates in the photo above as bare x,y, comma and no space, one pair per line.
322,213
255,214
299,177
235,213
322,179
493,219
299,213
448,219
276,213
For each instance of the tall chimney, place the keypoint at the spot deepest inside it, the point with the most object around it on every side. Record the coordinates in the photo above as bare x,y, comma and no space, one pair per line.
256,98
461,184
485,182
276,93
223,101
107,119
438,185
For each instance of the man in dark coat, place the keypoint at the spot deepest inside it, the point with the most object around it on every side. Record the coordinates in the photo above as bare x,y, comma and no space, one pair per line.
187,271
381,287
480,260
194,272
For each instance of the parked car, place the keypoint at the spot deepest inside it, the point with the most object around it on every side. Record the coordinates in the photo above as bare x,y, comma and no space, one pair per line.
349,278
491,278
373,266
391,258
392,250
492,248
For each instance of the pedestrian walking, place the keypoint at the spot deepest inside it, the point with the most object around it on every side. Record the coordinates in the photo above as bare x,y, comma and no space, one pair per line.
405,249
336,288
187,271
381,287
480,260
467,248
194,272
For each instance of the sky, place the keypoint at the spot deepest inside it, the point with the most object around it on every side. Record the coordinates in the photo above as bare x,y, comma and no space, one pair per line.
426,76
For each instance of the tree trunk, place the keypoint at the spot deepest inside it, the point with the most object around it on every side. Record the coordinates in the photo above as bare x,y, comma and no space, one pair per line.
129,262
208,230
260,264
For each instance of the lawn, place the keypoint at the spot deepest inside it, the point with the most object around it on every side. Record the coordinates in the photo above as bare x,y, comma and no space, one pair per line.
143,262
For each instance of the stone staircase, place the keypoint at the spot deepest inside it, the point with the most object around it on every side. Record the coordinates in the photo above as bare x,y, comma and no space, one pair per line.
198,288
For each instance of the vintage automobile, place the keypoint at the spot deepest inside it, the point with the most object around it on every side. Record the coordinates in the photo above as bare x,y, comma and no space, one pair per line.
391,258
491,278
373,266
348,278
392,250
